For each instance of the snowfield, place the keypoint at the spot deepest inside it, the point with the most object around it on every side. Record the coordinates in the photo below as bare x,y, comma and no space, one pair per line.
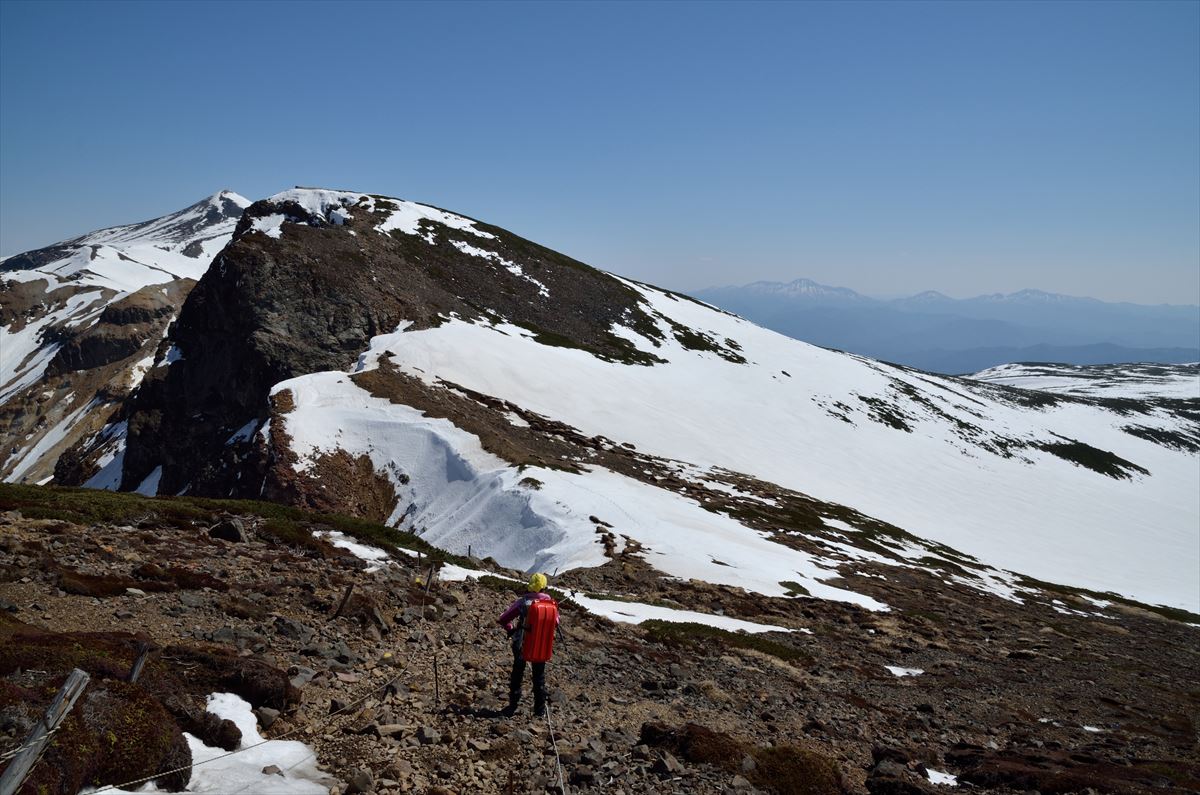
458,496
104,267
1033,513
127,258
1137,381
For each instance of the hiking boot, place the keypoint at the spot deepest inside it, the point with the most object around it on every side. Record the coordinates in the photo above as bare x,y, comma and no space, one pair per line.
509,711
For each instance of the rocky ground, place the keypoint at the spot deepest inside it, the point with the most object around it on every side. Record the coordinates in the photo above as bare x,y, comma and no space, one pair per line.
401,691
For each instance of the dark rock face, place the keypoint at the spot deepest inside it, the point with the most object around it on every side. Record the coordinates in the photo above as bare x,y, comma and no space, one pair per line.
96,347
92,371
31,260
271,309
229,530
1061,771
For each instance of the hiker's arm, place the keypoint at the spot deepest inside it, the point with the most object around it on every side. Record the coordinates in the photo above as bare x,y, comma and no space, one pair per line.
509,615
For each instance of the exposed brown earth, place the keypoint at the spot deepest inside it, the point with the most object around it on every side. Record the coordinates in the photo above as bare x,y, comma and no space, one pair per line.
1002,702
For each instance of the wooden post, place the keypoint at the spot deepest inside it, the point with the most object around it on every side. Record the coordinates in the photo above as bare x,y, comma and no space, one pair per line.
345,599
24,761
429,580
436,686
136,671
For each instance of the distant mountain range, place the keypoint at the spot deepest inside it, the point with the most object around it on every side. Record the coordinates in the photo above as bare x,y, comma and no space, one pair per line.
934,332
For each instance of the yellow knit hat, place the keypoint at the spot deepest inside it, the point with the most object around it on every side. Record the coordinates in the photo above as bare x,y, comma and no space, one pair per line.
537,582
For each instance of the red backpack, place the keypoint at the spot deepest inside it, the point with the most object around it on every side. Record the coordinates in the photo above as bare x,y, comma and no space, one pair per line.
541,619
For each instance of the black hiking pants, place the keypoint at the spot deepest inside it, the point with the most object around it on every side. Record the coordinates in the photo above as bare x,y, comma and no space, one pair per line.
518,676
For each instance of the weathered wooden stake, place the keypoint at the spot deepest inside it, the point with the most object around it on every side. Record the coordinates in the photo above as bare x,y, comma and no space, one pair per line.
345,598
20,766
136,671
437,694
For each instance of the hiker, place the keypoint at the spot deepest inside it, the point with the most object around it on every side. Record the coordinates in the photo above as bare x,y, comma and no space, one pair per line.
530,623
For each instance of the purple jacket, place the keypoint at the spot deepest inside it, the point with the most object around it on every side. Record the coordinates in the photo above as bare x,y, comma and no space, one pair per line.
517,609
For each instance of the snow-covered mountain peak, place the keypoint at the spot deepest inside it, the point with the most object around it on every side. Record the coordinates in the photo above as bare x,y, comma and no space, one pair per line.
928,296
80,322
320,206
128,257
801,289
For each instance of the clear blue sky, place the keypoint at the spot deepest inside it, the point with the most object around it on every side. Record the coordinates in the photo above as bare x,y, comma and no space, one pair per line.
965,147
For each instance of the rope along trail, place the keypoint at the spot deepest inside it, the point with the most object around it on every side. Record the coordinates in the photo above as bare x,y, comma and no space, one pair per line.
320,725
423,625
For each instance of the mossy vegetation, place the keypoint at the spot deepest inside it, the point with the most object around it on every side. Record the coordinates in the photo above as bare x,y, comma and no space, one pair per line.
793,770
688,633
886,413
1173,613
784,769
291,526
1176,440
1093,458
699,341
617,349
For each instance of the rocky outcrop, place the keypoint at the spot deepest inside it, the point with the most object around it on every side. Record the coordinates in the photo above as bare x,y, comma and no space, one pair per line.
73,355
95,367
311,299
122,329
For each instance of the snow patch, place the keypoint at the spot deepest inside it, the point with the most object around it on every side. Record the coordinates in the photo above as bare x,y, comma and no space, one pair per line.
637,612
406,217
244,433
269,225
149,486
459,496
940,777
374,556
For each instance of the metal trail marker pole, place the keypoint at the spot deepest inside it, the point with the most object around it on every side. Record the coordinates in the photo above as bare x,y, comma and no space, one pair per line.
20,766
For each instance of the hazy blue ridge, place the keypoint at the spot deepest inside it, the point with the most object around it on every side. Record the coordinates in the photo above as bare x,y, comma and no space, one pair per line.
934,332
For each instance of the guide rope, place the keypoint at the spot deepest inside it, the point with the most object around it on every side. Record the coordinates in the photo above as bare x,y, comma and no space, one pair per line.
320,725
554,744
